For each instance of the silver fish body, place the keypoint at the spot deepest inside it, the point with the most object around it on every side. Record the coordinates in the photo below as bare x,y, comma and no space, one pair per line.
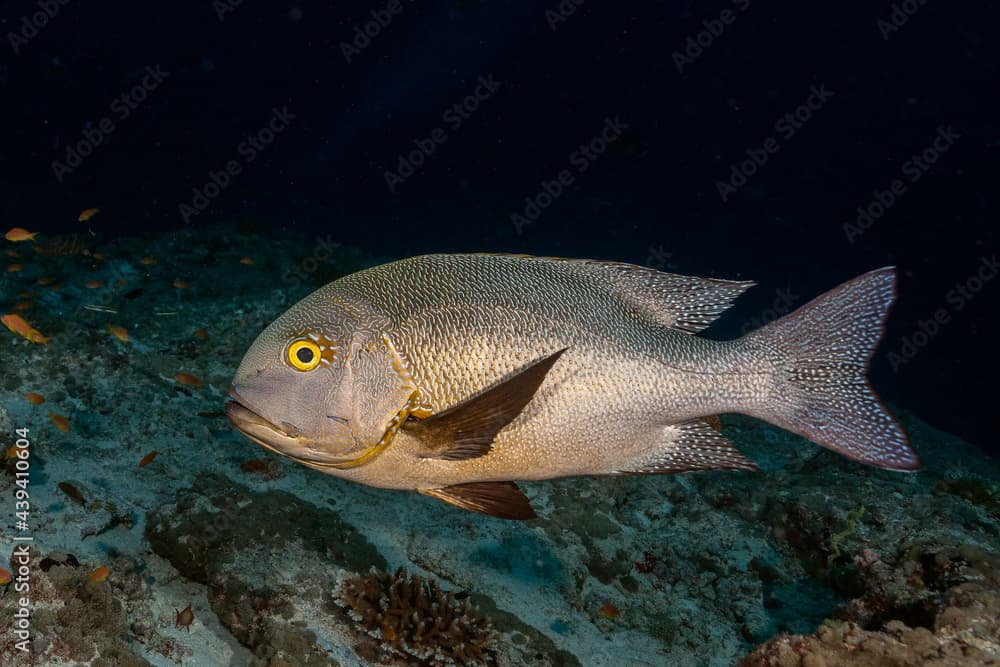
426,379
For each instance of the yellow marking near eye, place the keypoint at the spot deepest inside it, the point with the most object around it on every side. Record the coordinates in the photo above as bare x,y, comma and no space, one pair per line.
327,348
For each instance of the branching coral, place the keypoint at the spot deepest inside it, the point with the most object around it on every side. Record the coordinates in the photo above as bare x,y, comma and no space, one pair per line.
414,618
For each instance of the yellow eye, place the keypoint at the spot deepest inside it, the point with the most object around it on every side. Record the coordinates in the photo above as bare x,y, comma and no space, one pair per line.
304,355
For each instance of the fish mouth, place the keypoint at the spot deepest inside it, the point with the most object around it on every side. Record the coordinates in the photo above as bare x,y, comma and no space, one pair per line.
253,425
242,416
272,437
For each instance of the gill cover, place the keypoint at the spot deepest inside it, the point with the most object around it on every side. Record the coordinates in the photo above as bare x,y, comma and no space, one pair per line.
382,395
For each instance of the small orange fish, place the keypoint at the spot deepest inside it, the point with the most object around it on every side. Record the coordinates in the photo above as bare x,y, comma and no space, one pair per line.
148,261
32,397
26,295
100,574
99,256
254,465
45,280
608,611
181,284
714,421
62,423
94,284
13,254
184,618
147,459
17,324
119,332
188,380
10,453
5,577
248,261
22,306
18,234
72,492
201,334
87,214
14,268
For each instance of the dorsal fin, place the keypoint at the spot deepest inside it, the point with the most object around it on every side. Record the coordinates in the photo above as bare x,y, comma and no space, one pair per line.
684,303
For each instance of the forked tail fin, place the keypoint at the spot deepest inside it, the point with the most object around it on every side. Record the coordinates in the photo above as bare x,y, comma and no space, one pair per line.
822,392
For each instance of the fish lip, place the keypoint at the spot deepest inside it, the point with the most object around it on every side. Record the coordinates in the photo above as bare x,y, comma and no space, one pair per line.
241,415
235,395
244,419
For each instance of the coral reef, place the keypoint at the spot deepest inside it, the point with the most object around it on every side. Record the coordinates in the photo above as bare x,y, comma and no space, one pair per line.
963,634
929,598
700,569
206,537
413,617
72,619
931,606
285,615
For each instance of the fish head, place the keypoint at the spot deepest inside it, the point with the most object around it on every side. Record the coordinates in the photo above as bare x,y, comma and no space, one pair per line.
320,385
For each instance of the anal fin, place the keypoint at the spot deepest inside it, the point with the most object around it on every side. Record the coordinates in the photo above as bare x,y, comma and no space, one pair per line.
690,445
500,499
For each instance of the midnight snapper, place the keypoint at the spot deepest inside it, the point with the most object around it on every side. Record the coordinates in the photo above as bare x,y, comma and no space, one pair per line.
457,375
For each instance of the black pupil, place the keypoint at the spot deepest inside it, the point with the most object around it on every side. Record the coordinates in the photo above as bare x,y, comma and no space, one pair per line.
305,355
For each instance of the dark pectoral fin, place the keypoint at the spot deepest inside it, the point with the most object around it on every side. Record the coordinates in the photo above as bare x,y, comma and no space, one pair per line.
499,499
467,430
